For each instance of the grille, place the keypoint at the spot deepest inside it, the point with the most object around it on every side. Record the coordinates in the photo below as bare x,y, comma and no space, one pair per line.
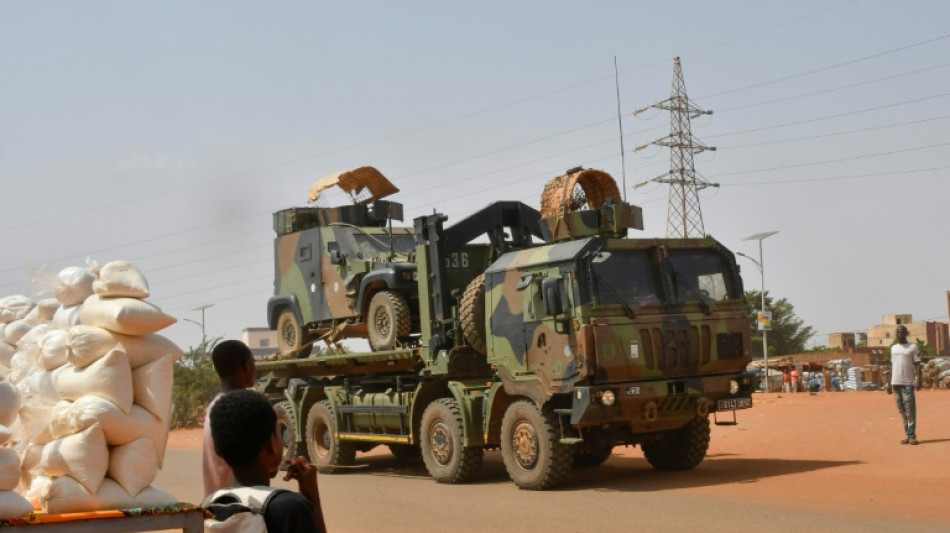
676,348
729,345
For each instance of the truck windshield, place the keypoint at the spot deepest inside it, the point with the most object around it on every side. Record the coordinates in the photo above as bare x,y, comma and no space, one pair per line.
703,274
625,277
378,245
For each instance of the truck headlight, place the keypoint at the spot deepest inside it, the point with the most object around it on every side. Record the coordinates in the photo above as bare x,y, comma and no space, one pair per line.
733,386
607,398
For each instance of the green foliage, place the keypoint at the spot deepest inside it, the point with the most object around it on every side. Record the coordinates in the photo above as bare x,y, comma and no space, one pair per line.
862,340
788,335
196,384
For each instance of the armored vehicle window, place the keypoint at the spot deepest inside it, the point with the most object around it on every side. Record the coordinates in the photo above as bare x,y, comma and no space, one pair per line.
378,245
305,253
703,274
625,277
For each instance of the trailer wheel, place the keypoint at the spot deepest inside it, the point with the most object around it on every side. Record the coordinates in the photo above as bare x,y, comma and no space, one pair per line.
326,451
388,320
288,433
530,448
447,458
680,449
405,452
473,314
290,335
586,458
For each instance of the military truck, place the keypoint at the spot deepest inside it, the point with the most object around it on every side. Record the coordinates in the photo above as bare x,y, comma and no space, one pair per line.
554,341
344,271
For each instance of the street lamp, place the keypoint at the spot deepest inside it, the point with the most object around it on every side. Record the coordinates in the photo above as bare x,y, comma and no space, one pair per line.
201,324
761,264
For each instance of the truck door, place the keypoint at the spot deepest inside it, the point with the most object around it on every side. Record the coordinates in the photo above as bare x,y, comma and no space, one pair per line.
548,313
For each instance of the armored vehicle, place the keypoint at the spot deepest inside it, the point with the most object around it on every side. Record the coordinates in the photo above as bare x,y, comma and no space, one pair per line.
557,340
344,271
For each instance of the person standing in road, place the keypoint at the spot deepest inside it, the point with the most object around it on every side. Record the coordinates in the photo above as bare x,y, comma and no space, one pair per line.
905,377
785,381
794,380
234,364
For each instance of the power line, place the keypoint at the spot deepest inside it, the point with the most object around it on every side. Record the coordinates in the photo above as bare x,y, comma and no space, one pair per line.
836,178
836,134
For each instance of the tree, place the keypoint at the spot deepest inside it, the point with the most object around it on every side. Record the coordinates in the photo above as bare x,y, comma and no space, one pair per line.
195,386
788,335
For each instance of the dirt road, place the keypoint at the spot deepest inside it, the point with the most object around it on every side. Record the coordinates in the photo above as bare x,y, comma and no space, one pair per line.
830,462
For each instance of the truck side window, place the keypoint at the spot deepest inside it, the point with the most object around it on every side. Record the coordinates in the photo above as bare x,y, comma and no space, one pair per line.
305,253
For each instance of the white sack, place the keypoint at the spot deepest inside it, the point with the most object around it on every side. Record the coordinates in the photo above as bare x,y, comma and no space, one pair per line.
29,466
121,279
12,505
146,348
66,495
9,403
53,350
84,457
14,308
86,344
39,387
110,377
67,316
5,434
118,427
134,465
152,386
75,285
128,316
35,419
20,366
15,331
6,352
153,496
9,469
42,312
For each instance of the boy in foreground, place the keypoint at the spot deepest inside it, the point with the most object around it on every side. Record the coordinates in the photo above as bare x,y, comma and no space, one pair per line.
245,434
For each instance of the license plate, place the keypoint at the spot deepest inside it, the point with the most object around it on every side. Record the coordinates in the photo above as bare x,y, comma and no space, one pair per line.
733,404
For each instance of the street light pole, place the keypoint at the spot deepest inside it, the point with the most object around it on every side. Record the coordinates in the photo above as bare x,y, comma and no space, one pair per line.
202,308
761,264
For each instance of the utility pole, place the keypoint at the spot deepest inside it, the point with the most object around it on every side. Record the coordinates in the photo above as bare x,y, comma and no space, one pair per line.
684,215
204,339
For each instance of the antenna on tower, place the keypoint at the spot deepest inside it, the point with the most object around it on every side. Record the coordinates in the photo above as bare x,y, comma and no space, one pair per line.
684,216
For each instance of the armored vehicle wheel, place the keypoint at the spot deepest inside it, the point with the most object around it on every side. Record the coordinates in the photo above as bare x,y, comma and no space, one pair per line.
388,320
530,448
680,449
443,451
473,314
586,457
405,452
288,433
290,335
326,451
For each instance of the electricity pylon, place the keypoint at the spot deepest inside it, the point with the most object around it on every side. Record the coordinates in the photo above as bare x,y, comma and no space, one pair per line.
684,216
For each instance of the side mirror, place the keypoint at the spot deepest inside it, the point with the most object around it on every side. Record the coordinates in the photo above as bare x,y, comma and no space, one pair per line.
551,294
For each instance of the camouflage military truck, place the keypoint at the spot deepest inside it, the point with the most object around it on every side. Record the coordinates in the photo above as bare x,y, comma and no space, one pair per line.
554,342
344,271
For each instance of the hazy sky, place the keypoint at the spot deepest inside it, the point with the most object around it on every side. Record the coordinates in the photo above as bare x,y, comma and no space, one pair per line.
166,133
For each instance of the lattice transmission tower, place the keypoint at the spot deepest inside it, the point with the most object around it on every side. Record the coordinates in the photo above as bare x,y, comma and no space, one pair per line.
684,215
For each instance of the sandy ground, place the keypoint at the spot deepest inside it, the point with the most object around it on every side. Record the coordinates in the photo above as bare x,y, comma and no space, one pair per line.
831,456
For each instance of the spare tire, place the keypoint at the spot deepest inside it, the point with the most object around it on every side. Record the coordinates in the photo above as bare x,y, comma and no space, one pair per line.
473,315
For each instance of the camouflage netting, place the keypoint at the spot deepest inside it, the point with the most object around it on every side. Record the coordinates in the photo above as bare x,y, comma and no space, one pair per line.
354,182
579,190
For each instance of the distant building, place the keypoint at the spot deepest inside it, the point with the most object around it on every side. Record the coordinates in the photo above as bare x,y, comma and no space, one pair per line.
933,333
261,341
841,341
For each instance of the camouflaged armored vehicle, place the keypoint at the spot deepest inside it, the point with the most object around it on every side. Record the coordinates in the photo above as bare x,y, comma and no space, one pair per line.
558,340
344,271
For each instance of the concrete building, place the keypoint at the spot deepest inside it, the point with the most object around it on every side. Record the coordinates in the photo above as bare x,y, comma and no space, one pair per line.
933,333
261,341
841,341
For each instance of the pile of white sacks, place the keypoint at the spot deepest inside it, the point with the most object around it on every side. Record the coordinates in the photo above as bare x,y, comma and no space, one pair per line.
85,395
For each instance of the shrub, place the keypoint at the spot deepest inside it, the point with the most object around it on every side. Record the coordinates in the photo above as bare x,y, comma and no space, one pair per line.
196,384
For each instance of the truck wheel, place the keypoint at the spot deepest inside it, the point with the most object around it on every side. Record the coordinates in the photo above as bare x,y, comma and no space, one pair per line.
290,335
473,314
388,320
288,433
586,458
443,451
530,448
680,449
405,452
326,451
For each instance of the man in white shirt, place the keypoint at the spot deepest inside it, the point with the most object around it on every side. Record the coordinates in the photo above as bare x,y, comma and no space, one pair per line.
905,377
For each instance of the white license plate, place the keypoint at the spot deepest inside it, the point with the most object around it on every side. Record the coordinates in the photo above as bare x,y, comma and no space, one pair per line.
733,403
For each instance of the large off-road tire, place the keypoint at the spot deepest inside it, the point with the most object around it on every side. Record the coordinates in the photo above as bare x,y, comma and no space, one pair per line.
585,457
387,320
680,449
473,314
405,452
530,447
327,453
288,433
443,450
290,335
